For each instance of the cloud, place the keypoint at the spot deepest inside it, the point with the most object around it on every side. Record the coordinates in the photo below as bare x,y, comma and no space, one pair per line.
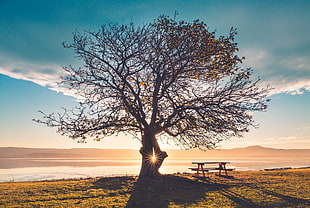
283,72
39,73
287,140
44,74
255,58
301,63
274,38
304,128
290,75
293,87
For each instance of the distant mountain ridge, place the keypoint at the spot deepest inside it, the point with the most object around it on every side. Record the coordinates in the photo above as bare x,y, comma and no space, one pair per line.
21,152
251,151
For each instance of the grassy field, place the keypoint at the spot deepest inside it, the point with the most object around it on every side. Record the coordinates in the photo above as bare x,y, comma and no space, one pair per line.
284,188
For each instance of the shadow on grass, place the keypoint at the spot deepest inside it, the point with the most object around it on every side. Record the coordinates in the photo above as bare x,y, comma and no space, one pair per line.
238,200
159,193
183,191
114,183
284,200
287,201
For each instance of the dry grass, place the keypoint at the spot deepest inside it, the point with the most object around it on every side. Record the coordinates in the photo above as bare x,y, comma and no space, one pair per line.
285,188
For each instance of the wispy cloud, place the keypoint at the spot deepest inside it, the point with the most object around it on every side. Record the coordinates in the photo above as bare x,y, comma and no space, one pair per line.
285,74
44,74
296,64
255,58
39,73
304,128
293,87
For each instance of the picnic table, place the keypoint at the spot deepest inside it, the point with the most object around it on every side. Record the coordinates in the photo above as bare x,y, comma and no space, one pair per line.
201,169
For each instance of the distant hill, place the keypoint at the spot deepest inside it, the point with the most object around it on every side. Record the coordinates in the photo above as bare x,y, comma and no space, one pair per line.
19,152
252,151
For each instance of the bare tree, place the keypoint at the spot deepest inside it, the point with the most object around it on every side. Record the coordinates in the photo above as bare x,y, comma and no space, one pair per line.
167,80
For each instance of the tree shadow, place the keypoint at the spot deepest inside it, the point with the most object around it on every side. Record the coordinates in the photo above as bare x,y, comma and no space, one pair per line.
159,193
113,183
188,191
284,200
238,199
288,201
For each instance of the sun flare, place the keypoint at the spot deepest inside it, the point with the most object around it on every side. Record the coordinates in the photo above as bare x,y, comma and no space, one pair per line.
153,158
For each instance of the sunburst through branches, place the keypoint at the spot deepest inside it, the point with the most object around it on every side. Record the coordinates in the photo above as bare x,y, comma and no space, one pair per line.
154,157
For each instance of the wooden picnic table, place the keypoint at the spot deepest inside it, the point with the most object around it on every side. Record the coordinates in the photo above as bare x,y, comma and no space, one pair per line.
200,167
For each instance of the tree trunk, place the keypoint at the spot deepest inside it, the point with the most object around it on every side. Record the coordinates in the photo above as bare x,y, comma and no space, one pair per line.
152,156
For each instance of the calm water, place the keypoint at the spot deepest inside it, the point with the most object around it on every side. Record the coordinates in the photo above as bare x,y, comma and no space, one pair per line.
31,169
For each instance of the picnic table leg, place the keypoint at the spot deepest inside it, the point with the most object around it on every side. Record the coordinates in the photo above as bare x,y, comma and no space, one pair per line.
200,168
197,173
222,166
203,172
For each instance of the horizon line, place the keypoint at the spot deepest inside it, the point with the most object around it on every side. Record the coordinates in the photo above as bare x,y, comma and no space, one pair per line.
244,147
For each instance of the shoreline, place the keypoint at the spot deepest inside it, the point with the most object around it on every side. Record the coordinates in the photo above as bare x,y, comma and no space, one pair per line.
136,175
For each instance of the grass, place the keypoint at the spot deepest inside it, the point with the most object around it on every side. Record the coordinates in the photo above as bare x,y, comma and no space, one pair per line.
284,188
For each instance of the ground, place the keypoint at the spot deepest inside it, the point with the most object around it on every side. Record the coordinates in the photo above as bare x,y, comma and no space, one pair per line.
283,188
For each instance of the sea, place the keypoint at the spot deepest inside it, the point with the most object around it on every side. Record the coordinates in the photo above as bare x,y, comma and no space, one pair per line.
38,169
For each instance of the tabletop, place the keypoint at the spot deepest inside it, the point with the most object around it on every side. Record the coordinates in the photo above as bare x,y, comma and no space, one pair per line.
209,162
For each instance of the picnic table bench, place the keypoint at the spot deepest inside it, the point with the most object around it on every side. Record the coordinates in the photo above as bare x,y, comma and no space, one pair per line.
221,167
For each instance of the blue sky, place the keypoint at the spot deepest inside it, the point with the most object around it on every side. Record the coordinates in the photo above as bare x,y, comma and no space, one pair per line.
274,36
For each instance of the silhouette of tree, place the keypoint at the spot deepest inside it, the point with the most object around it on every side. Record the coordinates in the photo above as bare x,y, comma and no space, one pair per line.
169,80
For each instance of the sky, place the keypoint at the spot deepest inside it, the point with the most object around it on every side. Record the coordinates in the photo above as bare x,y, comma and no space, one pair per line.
273,35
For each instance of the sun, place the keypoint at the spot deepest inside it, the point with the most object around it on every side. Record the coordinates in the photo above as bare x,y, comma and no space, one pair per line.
153,157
